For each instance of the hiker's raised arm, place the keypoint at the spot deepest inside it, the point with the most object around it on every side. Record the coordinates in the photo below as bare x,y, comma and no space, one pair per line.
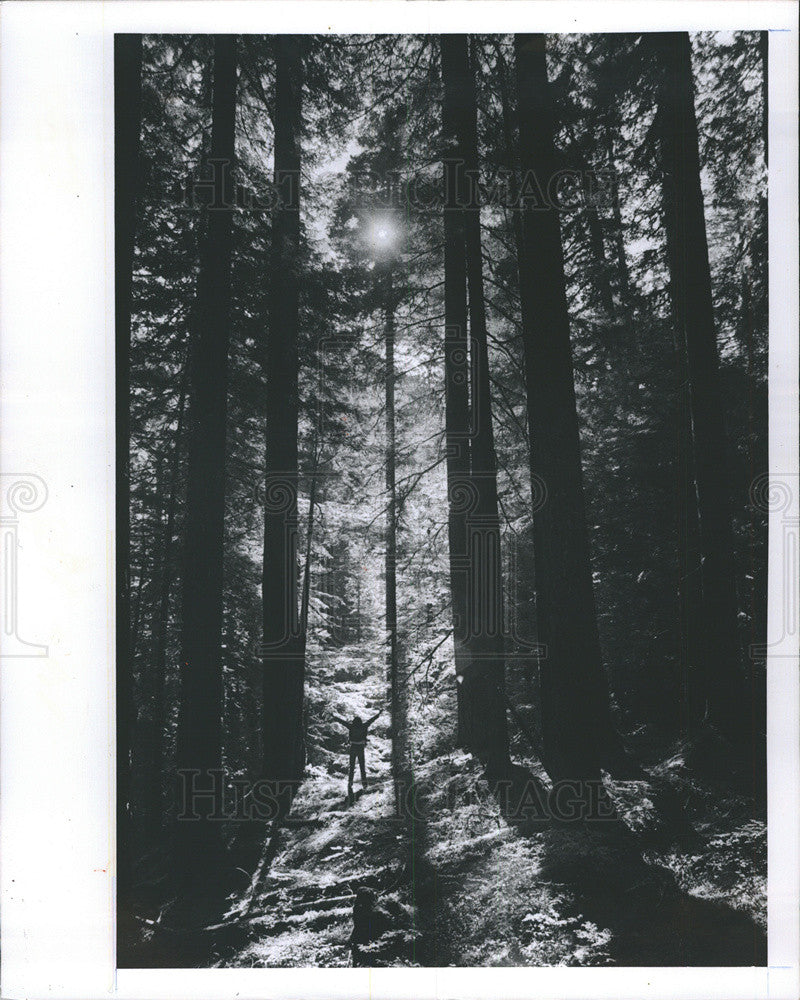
340,721
374,717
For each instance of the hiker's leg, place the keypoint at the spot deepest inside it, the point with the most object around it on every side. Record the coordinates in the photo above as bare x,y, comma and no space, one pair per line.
352,768
362,766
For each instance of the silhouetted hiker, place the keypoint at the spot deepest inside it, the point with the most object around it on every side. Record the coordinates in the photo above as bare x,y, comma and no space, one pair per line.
357,734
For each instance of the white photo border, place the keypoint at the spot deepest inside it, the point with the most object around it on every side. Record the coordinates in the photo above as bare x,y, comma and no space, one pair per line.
57,773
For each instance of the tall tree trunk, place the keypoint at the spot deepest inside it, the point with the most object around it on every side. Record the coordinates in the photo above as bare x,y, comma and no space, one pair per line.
690,622
137,599
305,599
576,724
763,49
199,718
127,127
484,722
527,302
461,496
155,808
358,605
283,658
392,650
687,251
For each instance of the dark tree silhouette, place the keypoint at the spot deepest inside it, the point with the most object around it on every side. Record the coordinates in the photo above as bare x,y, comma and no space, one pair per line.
690,591
719,660
160,625
576,725
482,721
283,657
127,117
460,495
392,650
199,718
763,51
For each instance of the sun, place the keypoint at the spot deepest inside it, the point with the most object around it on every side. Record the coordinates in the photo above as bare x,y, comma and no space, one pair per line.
382,234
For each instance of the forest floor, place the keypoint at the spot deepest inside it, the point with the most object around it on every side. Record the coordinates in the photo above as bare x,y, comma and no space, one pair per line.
599,894
332,853
456,884
486,892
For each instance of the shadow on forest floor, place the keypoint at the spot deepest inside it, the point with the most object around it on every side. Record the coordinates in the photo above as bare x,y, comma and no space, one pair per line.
465,884
335,884
652,920
468,887
643,875
635,893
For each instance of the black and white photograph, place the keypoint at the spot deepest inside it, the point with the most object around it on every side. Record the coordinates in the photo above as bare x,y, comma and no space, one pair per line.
399,500
442,499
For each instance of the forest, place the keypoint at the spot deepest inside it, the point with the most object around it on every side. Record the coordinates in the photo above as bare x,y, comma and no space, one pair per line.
441,404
